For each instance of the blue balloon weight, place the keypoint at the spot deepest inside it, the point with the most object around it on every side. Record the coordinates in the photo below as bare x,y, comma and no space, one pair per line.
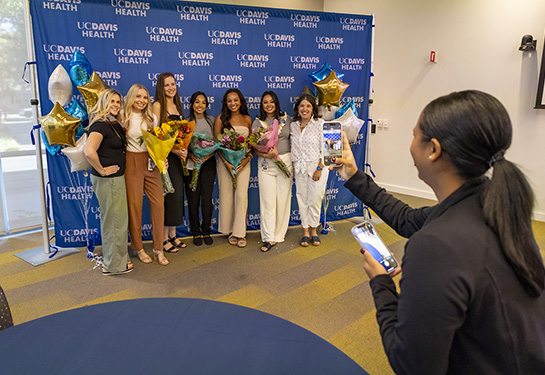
53,150
345,108
323,72
80,69
75,109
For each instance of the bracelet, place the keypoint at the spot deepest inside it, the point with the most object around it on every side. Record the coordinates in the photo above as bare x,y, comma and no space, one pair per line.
318,168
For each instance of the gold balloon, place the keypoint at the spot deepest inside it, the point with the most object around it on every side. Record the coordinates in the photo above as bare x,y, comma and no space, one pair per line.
60,127
330,89
91,90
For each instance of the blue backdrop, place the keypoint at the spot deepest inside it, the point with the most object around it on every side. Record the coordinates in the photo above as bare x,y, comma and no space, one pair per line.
210,48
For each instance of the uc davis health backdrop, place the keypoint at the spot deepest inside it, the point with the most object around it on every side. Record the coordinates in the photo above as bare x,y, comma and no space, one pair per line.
211,48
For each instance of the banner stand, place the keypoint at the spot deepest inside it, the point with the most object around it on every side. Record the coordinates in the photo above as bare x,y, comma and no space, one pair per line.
42,254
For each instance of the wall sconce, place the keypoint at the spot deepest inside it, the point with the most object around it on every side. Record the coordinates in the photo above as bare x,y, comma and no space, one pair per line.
528,43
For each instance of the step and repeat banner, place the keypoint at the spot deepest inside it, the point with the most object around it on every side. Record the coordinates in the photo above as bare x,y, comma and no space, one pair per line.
209,48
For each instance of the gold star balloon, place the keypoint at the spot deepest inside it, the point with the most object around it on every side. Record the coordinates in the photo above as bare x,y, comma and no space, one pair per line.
91,90
59,126
330,89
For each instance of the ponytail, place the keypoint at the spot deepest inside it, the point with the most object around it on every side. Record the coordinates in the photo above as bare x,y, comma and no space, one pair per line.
508,203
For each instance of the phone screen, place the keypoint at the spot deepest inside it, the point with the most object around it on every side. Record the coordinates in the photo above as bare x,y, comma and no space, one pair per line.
369,239
333,145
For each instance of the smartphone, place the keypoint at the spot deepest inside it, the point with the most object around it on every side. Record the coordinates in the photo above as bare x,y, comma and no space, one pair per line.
332,142
368,238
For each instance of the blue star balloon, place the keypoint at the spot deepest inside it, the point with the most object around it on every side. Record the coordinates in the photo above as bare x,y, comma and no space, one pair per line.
53,150
323,72
76,110
345,108
80,69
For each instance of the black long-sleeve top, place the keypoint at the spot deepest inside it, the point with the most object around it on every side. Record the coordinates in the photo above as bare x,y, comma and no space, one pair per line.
461,309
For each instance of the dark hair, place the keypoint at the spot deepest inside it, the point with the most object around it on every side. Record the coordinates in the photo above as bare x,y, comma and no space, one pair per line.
192,112
474,130
277,112
161,97
226,112
311,100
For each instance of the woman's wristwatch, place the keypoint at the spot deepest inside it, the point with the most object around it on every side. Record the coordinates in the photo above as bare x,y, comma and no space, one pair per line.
318,168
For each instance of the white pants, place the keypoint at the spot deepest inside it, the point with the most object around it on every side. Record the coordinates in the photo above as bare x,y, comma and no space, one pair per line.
274,198
310,194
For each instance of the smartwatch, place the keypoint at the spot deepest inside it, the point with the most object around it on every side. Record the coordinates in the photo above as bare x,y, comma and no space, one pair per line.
318,168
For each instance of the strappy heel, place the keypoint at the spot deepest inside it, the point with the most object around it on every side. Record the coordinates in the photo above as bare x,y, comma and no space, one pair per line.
143,256
159,256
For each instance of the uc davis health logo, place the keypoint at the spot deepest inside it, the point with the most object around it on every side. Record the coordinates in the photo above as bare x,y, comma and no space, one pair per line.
65,5
189,58
252,61
353,24
98,30
329,42
60,52
351,63
130,8
164,34
152,77
305,21
279,40
279,82
229,38
305,62
133,56
252,17
110,78
223,81
193,13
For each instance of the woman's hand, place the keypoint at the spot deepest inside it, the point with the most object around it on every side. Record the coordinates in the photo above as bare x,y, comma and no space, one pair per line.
371,266
195,159
316,175
347,165
181,153
109,170
273,152
243,163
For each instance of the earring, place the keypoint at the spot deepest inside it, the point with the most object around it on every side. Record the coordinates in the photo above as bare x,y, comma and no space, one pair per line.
429,157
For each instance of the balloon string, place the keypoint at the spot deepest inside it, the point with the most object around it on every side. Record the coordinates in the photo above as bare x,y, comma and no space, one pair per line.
370,170
53,247
48,200
24,71
32,133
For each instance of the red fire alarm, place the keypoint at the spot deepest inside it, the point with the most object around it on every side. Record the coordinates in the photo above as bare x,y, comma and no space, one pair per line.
433,57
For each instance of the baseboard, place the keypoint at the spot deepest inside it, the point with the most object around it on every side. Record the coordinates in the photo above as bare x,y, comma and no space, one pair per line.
537,216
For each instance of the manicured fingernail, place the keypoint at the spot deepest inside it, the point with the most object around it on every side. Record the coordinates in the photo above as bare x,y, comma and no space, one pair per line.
362,251
333,159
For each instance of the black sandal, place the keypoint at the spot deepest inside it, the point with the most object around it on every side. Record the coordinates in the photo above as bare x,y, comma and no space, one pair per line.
171,249
179,244
304,241
266,246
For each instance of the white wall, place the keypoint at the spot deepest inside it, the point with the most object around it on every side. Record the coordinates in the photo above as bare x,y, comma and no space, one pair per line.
477,43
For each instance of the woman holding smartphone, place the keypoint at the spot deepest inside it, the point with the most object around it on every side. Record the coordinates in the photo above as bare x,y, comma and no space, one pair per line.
202,196
141,175
167,107
233,202
306,135
274,185
472,287
105,150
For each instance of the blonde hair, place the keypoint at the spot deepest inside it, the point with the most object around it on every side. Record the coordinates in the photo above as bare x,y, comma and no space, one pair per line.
101,110
147,113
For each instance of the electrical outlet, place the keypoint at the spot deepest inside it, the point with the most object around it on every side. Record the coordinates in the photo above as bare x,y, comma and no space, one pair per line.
386,124
379,123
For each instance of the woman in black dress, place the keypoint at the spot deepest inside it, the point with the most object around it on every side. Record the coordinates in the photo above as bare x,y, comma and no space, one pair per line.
167,107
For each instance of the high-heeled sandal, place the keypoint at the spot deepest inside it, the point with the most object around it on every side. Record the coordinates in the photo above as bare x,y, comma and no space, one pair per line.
143,256
177,242
169,247
159,256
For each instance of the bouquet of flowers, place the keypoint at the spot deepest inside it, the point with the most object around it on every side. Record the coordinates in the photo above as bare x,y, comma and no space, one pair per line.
263,140
182,131
159,143
201,146
233,148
